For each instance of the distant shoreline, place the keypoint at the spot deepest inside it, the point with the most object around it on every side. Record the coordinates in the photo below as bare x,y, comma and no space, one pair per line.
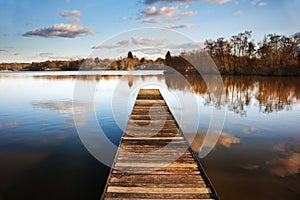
140,72
242,66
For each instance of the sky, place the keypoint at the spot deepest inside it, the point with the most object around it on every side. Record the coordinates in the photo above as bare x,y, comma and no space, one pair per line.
33,30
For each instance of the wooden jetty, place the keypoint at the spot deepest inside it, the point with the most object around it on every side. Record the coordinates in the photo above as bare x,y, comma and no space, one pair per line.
154,159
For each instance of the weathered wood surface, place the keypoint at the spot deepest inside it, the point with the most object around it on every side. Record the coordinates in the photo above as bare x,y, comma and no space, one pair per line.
153,159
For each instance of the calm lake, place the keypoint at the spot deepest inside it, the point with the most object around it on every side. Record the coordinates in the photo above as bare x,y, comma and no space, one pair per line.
42,156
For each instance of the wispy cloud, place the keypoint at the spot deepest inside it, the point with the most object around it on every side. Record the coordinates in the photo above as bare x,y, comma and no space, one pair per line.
174,26
259,3
150,45
54,56
188,14
189,45
262,3
151,51
146,41
150,2
3,34
71,15
155,20
133,42
60,30
238,12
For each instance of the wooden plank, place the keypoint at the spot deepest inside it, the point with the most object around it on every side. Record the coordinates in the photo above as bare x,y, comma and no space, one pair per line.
138,190
155,165
163,172
117,198
158,196
151,138
153,160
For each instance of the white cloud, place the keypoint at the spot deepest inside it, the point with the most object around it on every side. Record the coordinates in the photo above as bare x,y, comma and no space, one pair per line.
174,26
164,15
60,30
164,11
262,3
238,12
149,2
72,30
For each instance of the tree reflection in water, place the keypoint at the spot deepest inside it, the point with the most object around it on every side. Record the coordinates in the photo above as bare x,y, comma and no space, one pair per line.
270,94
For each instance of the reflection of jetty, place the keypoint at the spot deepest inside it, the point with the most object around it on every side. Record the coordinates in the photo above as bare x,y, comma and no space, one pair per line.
154,160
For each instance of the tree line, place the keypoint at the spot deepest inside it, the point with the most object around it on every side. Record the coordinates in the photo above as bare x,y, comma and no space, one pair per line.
240,54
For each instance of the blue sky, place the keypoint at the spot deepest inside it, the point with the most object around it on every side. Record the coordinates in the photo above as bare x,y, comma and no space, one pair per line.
32,30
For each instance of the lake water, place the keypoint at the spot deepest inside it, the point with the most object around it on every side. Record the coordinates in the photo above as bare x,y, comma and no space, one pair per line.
42,157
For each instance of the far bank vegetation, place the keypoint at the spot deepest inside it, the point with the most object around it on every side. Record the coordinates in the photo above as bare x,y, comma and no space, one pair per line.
239,55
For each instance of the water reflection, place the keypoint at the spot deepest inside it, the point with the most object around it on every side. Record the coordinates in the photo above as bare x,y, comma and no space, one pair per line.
63,107
269,94
130,78
287,161
67,107
39,146
226,140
